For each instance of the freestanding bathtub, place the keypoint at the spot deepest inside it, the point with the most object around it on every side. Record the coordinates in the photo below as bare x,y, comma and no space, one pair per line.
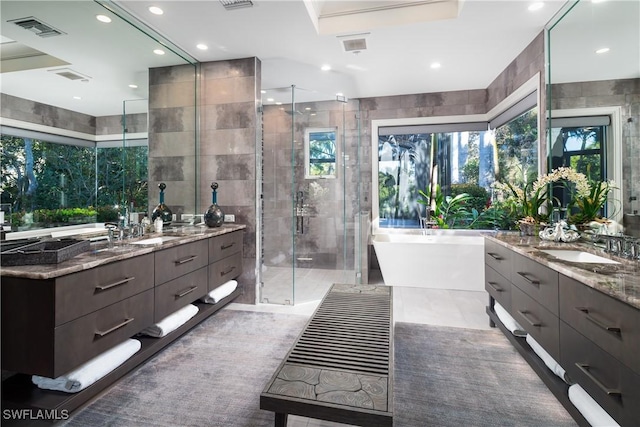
444,259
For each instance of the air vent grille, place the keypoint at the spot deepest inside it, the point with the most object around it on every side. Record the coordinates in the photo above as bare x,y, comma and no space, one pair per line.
70,74
354,45
37,27
236,4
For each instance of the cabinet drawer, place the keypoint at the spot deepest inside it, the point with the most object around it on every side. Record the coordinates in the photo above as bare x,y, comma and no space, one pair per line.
536,280
225,245
174,295
224,270
90,290
536,320
180,260
498,287
498,257
82,339
615,387
612,325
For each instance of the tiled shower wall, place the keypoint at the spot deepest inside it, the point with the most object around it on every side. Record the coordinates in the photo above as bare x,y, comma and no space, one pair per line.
625,93
327,232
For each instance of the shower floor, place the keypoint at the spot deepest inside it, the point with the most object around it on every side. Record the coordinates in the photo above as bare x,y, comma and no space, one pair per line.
311,284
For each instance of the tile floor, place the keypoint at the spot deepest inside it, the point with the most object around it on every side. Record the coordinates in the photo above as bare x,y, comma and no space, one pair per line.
463,309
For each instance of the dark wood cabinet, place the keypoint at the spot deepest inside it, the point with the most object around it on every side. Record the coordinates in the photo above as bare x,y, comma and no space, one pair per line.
593,336
177,293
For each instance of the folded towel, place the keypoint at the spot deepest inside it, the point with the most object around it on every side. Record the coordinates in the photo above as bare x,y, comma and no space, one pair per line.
91,371
509,322
220,292
171,322
547,359
589,408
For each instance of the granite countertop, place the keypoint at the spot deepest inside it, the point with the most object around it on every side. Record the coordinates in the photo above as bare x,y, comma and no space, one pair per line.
620,281
99,254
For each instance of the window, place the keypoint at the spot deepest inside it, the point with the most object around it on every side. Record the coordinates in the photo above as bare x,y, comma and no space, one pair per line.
320,152
459,158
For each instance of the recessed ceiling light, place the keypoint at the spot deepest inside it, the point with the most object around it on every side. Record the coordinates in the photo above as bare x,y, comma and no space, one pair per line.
158,51
325,67
202,46
536,6
307,108
270,100
603,50
77,97
156,10
278,103
263,91
598,1
103,18
436,65
133,86
339,94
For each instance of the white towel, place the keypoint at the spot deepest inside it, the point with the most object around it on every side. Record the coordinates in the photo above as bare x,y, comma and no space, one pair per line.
547,359
171,322
91,371
509,322
220,292
589,408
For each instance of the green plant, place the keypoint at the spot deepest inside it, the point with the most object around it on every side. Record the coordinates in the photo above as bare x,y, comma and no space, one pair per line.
449,211
587,206
478,195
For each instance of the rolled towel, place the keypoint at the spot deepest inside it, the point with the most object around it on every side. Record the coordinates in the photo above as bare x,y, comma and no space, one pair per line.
220,292
91,371
589,408
171,322
509,322
547,359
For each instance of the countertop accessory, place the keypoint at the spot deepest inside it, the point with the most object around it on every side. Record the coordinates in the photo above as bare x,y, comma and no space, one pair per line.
162,210
45,252
560,232
213,216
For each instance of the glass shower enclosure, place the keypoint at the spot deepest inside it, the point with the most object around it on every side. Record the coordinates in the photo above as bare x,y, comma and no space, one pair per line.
310,196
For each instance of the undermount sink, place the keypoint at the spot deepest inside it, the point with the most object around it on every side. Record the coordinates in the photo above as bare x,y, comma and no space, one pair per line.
578,256
155,240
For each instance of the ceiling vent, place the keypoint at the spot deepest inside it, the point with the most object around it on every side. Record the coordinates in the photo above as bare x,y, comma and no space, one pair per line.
354,43
236,4
68,73
37,27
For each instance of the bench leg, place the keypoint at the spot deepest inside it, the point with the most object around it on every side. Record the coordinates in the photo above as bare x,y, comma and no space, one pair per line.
281,419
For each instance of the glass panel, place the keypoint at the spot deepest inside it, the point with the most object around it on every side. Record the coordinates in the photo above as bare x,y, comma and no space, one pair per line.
320,147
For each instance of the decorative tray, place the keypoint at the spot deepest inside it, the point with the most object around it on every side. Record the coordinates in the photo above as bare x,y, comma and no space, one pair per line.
45,252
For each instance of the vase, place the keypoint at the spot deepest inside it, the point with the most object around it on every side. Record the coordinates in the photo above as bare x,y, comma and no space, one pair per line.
213,216
162,211
528,229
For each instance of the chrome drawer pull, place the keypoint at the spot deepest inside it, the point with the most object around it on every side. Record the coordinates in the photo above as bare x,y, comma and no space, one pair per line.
224,273
609,391
535,323
118,326
223,247
495,256
493,286
612,329
114,284
187,259
525,276
187,292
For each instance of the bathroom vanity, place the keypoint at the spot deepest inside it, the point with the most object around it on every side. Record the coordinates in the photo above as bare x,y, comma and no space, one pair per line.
582,306
56,317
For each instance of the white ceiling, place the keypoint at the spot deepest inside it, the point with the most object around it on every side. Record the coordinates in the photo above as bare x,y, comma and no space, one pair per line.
292,39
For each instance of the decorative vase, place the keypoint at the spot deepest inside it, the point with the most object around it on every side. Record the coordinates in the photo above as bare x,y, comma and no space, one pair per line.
213,216
529,229
162,211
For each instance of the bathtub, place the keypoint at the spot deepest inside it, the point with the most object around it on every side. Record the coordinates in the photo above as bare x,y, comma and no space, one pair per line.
445,259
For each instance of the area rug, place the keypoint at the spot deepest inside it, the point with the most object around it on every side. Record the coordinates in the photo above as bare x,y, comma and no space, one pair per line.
462,377
213,376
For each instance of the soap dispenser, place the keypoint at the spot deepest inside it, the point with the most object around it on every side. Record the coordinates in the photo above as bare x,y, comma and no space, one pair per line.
162,211
214,216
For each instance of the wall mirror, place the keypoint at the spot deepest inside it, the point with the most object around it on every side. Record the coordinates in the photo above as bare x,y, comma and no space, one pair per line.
75,86
593,52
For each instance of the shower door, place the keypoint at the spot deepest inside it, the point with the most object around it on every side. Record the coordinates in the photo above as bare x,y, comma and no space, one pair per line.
310,194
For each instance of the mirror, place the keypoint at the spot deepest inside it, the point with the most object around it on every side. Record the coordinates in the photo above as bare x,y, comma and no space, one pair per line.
68,73
593,53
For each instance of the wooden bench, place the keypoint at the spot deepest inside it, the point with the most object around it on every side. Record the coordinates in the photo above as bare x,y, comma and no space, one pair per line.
340,368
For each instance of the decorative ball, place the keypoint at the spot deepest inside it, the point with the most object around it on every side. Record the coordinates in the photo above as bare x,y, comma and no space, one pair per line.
163,212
